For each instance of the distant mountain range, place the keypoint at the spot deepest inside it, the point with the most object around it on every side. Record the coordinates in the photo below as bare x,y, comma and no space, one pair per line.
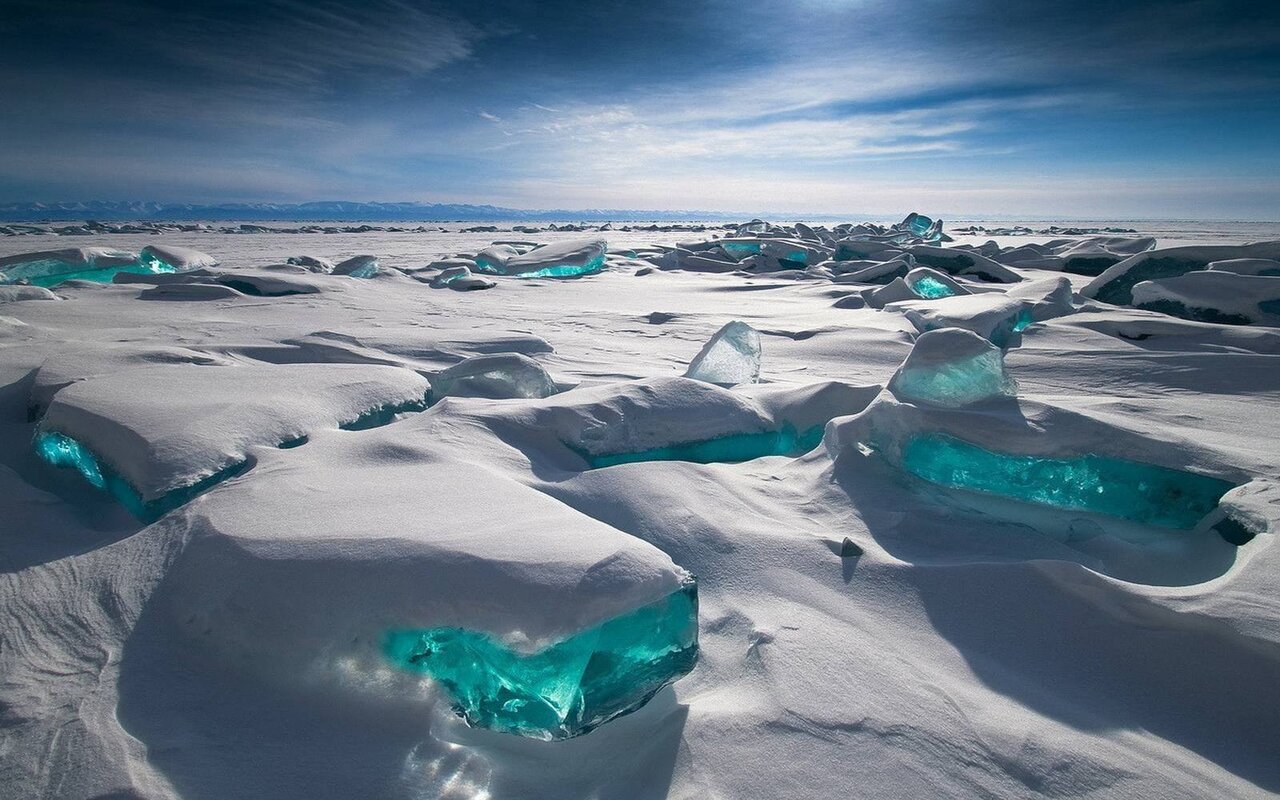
335,210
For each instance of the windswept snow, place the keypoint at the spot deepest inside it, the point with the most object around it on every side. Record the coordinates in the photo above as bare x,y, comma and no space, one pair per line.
972,512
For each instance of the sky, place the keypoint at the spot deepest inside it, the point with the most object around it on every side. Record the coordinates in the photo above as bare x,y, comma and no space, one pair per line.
1094,110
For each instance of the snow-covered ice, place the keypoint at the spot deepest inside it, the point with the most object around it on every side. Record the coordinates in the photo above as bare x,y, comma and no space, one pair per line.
746,510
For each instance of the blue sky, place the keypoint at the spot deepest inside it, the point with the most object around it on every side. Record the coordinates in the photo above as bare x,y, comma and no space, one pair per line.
1092,110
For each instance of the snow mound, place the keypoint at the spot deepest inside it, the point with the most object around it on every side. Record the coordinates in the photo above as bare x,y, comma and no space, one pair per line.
168,258
1115,285
1213,296
166,428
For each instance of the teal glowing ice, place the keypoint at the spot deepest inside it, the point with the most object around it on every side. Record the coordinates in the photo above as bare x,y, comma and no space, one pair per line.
740,250
386,413
930,288
565,270
568,688
103,275
732,449
920,225
1023,321
1127,489
953,384
366,271
61,450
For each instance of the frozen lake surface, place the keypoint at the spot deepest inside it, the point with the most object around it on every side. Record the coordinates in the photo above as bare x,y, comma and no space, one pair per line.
960,527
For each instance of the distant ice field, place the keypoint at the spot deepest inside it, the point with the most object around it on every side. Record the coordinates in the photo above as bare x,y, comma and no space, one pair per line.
417,249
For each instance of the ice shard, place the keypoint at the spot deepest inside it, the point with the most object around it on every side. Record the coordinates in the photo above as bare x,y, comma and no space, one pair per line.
568,688
933,285
499,376
952,367
1144,493
730,357
358,267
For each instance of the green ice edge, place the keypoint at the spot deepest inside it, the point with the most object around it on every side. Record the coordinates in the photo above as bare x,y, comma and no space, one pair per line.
732,449
563,690
60,450
1131,490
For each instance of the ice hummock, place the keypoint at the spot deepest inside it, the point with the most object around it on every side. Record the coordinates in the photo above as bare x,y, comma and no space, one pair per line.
364,266
952,367
1144,493
565,689
566,259
165,429
729,357
499,376
1218,296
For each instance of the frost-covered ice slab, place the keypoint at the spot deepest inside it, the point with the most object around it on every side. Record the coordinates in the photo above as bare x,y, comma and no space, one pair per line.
51,267
729,449
358,267
1115,285
568,688
459,278
1143,493
933,285
559,260
1213,296
499,376
346,557
168,258
278,282
952,367
991,315
1044,467
16,294
166,429
731,356
963,262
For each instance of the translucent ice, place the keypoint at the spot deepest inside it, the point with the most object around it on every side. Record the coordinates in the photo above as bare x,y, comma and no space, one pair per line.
568,688
60,450
932,285
951,367
560,260
732,449
358,267
53,267
931,288
499,376
730,357
1127,489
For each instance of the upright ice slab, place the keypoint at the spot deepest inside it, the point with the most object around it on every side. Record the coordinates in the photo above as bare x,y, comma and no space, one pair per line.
730,357
565,689
358,267
952,367
1144,493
